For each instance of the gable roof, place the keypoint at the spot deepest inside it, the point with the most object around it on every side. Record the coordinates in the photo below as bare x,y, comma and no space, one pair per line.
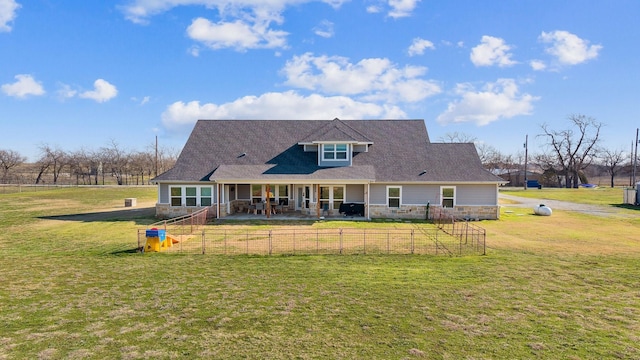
335,130
262,150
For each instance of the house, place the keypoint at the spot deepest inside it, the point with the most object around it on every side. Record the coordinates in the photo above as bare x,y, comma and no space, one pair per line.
372,168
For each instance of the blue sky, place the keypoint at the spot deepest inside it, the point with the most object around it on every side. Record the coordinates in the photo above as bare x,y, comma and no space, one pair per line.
78,74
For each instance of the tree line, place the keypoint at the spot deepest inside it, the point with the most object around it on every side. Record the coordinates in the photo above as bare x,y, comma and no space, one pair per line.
564,161
569,155
110,164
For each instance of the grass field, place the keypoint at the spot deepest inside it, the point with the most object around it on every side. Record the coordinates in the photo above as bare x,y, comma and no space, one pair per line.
559,287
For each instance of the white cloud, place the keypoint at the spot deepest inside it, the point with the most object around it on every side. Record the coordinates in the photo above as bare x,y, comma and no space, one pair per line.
8,10
568,48
24,86
324,29
238,34
374,79
277,105
373,9
418,46
243,24
139,11
537,65
402,8
492,51
103,91
65,91
499,100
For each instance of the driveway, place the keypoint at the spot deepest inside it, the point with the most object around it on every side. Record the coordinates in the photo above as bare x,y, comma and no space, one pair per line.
598,210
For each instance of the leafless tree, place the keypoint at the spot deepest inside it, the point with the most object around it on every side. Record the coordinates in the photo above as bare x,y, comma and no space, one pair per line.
8,160
84,164
116,160
457,137
613,161
552,173
53,159
574,148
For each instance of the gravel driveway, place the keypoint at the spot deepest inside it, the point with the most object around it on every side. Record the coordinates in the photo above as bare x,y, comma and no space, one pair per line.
598,210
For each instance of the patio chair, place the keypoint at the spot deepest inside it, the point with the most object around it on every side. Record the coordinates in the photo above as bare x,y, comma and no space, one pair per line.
251,208
259,207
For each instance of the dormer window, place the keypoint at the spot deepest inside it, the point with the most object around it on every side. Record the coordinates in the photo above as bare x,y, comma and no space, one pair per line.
334,152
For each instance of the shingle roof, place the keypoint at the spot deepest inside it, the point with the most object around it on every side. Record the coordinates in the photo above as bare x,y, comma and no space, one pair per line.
269,150
336,130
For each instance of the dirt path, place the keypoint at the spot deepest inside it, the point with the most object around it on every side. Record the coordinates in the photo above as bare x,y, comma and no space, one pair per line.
598,210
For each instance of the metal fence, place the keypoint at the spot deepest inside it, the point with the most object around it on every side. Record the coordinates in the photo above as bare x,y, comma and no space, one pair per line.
20,188
460,240
183,225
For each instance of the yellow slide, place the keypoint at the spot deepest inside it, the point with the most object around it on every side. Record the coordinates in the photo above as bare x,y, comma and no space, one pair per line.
173,239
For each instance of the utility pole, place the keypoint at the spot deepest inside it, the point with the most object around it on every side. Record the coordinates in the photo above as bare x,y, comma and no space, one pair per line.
635,159
526,156
156,155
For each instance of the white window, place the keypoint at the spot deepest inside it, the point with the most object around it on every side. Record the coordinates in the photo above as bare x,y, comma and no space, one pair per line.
176,196
191,195
205,196
394,194
331,195
334,152
448,196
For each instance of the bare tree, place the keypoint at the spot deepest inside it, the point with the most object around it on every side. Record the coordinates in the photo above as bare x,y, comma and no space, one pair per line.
83,165
8,160
51,159
613,162
574,148
457,137
116,160
552,173
167,158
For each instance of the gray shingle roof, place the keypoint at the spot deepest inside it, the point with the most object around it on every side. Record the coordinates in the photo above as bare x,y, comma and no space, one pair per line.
269,150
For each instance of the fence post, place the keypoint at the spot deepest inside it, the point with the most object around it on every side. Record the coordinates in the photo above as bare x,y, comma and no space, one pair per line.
364,247
203,243
247,242
225,241
270,244
388,245
294,241
340,241
413,244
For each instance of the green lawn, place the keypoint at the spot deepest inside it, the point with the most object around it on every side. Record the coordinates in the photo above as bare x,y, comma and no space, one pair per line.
593,196
560,287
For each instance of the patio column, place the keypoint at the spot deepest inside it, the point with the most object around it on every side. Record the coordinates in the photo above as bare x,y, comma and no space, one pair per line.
366,208
318,200
268,206
218,201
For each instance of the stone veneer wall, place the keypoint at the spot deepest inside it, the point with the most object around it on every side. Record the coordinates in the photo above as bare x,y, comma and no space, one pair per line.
419,212
477,212
165,211
403,212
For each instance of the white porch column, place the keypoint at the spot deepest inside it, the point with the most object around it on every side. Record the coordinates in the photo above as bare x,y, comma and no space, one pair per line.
368,214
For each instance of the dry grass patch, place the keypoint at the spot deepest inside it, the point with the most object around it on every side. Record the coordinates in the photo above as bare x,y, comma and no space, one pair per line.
564,232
